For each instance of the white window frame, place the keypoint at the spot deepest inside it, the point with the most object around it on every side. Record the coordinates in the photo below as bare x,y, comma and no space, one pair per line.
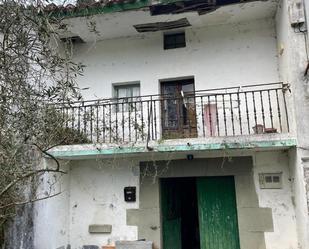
124,101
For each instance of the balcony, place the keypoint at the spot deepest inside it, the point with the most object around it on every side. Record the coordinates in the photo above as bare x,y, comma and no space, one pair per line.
222,112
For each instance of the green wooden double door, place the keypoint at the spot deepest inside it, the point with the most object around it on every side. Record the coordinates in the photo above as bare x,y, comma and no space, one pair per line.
199,213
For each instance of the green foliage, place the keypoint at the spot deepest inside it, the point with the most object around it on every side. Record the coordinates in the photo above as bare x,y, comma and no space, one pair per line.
57,131
33,74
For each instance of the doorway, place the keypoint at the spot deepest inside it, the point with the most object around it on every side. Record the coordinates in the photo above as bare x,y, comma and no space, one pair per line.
179,213
199,213
178,109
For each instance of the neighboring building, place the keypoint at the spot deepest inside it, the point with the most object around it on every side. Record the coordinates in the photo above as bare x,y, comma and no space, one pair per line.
197,117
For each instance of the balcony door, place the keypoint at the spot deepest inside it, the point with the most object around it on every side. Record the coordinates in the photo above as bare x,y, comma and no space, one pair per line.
178,109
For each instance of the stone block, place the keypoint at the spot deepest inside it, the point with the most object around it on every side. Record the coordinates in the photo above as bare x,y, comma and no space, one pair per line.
133,244
96,228
90,247
255,219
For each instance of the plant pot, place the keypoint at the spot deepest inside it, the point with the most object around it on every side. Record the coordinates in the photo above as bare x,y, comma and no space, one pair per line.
258,129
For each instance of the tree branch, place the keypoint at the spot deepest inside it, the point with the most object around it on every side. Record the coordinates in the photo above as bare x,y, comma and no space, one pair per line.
48,154
29,201
27,175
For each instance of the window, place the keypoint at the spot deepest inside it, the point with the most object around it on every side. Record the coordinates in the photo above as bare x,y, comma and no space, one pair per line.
176,40
127,96
270,180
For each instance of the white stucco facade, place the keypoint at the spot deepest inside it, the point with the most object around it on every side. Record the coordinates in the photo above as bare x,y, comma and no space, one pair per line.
280,201
216,56
93,194
98,188
233,52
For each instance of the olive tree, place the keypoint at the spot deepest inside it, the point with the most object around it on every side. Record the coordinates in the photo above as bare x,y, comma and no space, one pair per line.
36,71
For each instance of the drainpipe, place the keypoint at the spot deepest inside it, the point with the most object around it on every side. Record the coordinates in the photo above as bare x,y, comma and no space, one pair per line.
306,9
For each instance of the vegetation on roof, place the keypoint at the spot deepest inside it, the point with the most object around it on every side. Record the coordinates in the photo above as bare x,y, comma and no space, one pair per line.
93,8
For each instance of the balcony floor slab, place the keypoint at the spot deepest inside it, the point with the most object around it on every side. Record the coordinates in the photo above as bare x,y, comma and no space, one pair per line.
252,142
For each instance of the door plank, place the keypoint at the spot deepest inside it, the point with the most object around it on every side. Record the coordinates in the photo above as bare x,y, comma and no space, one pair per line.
217,213
171,214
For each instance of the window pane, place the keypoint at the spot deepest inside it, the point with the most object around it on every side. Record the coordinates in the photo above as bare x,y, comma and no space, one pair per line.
122,93
136,91
128,91
188,87
180,39
174,40
276,179
268,179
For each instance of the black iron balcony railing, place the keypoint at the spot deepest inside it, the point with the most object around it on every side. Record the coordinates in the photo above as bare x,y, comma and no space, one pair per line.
233,111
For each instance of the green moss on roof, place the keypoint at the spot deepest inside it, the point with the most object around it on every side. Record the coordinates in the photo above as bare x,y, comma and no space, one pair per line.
98,9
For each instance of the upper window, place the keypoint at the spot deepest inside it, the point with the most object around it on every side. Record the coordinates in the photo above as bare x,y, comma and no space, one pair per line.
127,96
176,40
